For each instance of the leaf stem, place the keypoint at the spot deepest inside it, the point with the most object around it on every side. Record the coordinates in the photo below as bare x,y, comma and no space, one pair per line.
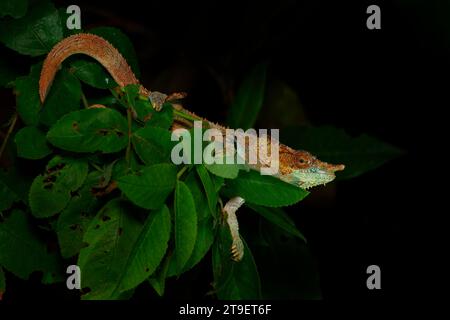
84,100
10,129
128,152
180,173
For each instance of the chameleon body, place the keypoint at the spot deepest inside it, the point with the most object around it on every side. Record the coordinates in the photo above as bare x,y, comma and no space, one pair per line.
297,167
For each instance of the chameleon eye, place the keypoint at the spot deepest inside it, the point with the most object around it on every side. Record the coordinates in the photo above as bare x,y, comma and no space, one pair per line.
301,160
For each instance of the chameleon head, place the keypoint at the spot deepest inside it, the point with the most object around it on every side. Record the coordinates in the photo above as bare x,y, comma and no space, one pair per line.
306,171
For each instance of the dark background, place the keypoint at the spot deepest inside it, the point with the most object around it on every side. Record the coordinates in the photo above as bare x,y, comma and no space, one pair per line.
388,83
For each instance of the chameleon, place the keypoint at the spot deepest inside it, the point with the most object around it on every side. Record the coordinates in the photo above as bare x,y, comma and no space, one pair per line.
297,167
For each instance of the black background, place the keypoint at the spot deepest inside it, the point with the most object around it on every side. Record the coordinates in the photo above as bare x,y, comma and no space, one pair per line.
389,83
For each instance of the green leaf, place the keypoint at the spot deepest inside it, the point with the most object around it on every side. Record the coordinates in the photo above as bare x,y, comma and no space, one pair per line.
64,97
161,119
2,283
227,171
14,8
31,143
50,192
143,109
286,266
359,154
122,43
249,99
203,242
22,251
92,74
7,73
121,169
234,280
218,182
75,218
185,225
158,280
7,195
209,188
27,92
110,238
264,190
279,218
90,130
150,187
195,185
152,144
35,33
149,249
14,186
131,93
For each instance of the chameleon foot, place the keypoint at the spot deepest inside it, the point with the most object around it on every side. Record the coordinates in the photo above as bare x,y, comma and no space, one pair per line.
237,246
157,99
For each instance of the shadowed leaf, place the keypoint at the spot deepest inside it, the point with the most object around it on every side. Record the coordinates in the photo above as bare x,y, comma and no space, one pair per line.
248,100
35,33
359,154
31,143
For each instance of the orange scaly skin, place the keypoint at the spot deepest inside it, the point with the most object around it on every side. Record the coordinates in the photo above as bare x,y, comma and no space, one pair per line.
93,46
296,167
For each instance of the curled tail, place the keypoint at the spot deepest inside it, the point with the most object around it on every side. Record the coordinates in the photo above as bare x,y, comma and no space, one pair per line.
93,46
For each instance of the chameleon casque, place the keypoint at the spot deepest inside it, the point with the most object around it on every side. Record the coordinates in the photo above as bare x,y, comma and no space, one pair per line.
296,167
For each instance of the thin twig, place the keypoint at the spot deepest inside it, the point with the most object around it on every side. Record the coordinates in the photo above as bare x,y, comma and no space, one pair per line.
10,129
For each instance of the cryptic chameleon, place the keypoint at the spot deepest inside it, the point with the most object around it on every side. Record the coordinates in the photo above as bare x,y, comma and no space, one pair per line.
296,167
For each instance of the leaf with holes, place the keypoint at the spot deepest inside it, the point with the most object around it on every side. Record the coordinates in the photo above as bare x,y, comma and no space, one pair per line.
50,192
90,130
110,238
75,218
22,250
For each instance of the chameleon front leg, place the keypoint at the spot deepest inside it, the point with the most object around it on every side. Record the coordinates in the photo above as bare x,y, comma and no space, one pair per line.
229,210
157,99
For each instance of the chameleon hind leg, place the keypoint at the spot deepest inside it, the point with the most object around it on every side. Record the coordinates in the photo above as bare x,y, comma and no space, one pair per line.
230,208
